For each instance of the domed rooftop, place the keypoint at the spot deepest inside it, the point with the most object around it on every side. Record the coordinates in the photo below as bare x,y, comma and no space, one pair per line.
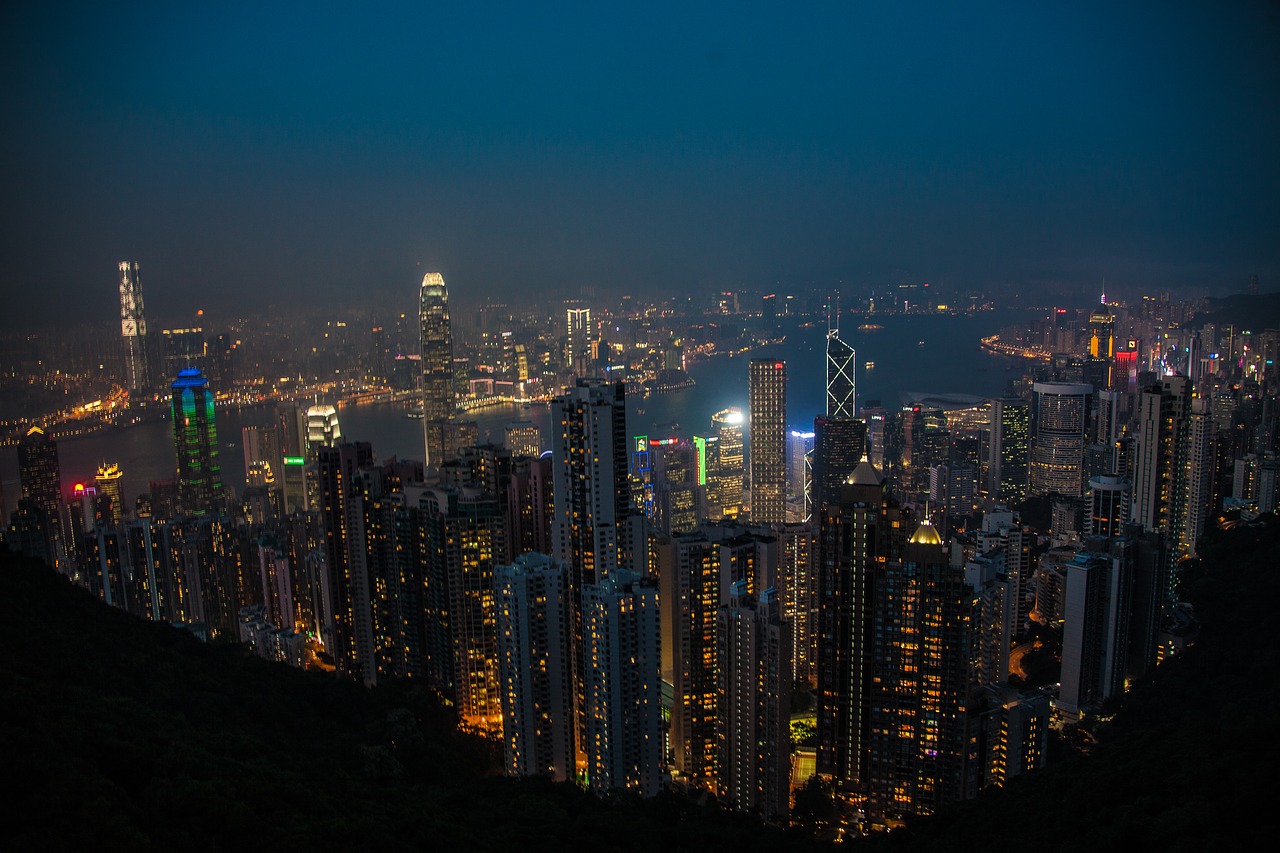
865,474
926,534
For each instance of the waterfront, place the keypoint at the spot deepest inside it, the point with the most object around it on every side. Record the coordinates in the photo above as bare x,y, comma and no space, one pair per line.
951,360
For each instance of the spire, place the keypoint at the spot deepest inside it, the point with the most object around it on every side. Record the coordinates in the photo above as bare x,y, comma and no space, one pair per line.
926,534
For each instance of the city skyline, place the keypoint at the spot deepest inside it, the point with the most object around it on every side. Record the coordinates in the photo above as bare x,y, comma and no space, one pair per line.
252,164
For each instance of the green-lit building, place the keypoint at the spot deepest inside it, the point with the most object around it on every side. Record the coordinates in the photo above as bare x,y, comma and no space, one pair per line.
195,443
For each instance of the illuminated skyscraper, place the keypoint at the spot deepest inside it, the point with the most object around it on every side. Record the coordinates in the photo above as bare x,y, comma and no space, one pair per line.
577,336
1100,348
195,442
133,328
754,663
838,445
534,666
768,406
725,466
1059,430
323,429
523,438
841,370
41,483
858,534
1162,470
110,483
1010,449
436,348
623,723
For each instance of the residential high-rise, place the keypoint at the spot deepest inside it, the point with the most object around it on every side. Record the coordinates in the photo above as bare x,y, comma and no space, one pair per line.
1161,467
347,628
922,651
1109,501
133,329
623,713
767,393
1059,432
534,666
593,530
754,666
1095,633
842,361
195,443
523,438
436,351
857,534
1200,473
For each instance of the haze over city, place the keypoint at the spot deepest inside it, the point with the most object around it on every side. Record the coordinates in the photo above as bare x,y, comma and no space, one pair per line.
251,155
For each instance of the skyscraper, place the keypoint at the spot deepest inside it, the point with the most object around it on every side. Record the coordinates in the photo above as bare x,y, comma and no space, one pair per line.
1010,449
839,444
195,442
754,664
842,360
725,467
534,666
577,336
1059,430
109,481
323,428
436,349
41,482
768,406
1161,469
133,328
858,533
623,713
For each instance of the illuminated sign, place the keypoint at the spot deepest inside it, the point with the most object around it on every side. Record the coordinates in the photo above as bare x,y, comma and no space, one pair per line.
295,460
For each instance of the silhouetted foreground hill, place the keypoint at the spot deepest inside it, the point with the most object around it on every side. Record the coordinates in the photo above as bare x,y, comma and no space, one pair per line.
123,734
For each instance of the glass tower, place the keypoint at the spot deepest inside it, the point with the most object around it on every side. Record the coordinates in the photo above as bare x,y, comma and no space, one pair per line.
436,348
195,442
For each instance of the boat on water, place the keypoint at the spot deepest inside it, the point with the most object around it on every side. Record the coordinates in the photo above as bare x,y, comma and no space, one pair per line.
870,327
868,365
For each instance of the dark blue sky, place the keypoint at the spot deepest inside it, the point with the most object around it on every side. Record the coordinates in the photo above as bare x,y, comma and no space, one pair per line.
270,153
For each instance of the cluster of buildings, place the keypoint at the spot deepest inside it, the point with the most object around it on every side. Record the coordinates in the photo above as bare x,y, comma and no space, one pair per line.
638,612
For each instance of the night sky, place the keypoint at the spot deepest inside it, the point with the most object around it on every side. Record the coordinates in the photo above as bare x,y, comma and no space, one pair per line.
254,154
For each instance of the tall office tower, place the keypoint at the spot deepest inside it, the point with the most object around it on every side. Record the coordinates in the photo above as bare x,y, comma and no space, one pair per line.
577,346
133,328
623,746
994,614
533,664
768,405
1100,348
842,360
1160,471
110,484
799,445
725,470
195,442
857,532
1109,502
754,664
1200,473
181,349
52,537
463,533
922,647
591,505
523,439
1059,430
323,428
1095,632
839,444
1010,449
347,631
436,348
1109,422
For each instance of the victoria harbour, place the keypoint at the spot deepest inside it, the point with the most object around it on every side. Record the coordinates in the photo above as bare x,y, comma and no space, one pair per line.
911,353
